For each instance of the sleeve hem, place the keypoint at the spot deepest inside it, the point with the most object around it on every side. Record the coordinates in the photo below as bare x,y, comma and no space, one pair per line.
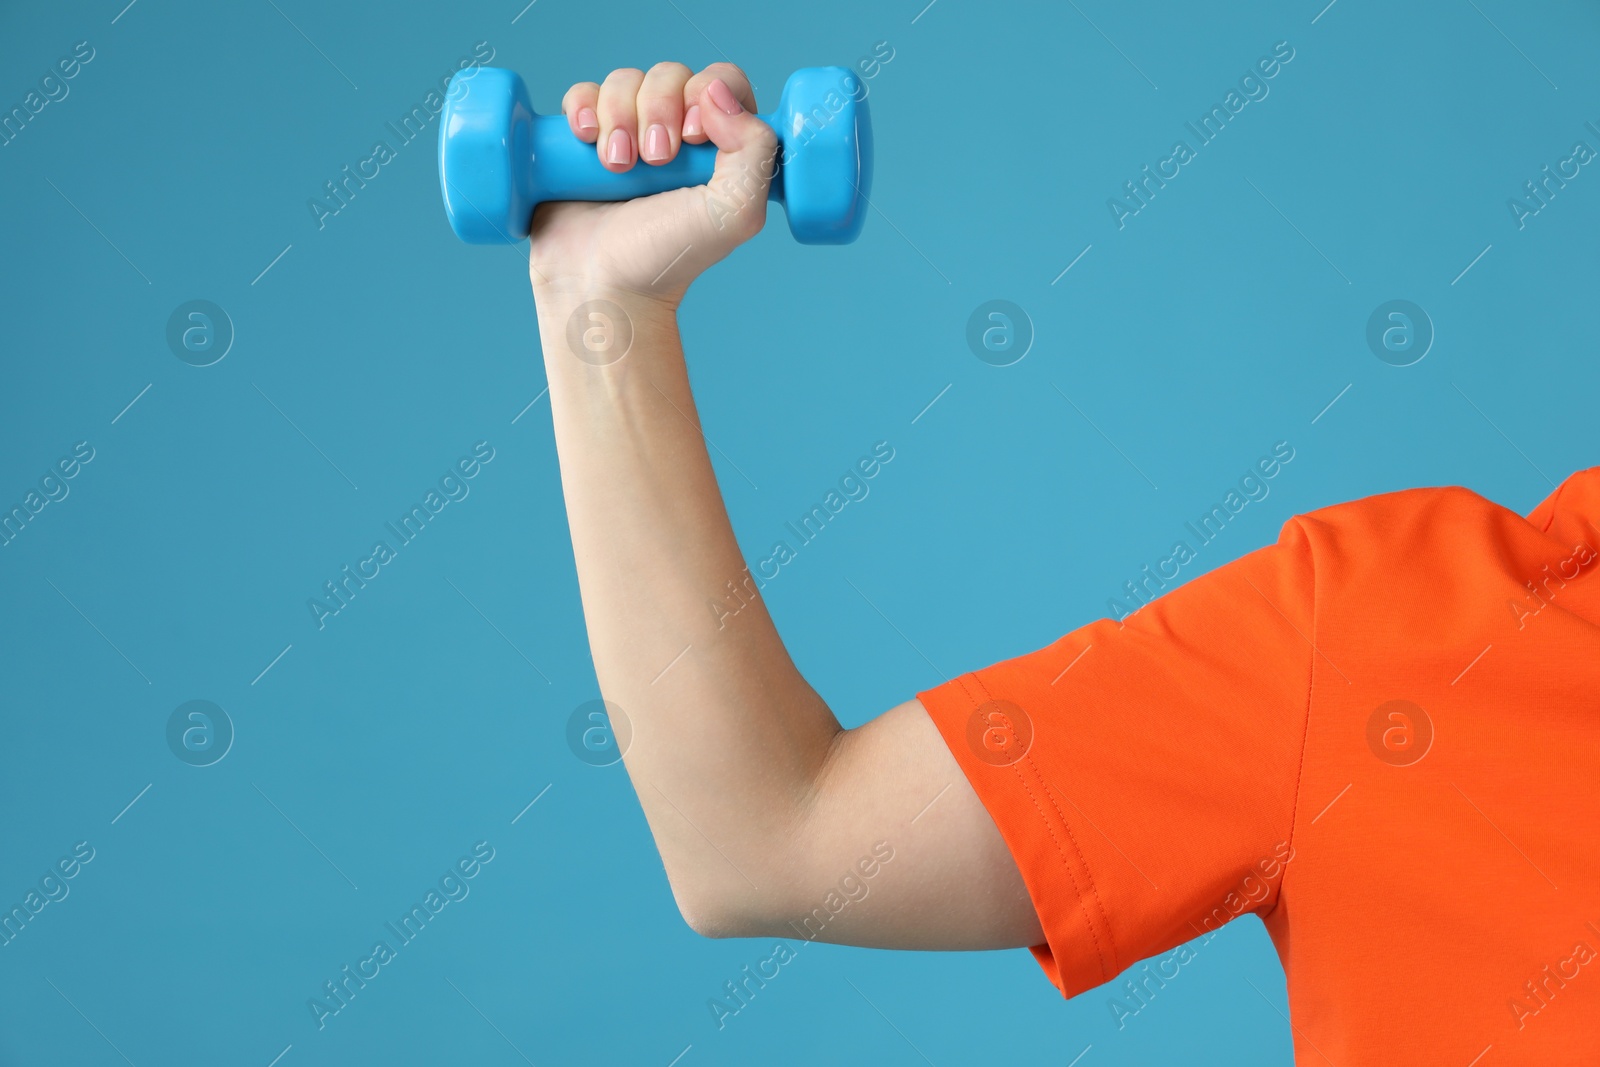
1078,953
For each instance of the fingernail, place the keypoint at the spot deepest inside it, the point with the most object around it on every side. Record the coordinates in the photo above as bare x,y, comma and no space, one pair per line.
587,120
723,97
619,149
656,144
691,121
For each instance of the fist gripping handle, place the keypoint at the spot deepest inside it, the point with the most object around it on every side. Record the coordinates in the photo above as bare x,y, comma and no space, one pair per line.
498,160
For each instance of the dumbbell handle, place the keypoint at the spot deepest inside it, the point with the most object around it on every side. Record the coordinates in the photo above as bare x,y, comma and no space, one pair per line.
570,169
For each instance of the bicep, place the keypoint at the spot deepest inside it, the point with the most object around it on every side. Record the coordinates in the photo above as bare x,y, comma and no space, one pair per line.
895,850
1158,773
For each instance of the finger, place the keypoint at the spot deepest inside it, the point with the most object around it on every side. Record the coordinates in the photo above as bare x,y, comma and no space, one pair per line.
618,142
579,107
660,111
747,156
693,125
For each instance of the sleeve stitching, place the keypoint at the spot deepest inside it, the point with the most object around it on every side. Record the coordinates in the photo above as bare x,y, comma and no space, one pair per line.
1305,737
1088,874
1083,907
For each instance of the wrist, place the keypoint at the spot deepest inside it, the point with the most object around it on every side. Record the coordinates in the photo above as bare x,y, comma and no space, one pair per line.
595,323
561,293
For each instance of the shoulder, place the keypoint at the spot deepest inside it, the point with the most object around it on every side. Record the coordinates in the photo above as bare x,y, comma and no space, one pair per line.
1406,512
1434,536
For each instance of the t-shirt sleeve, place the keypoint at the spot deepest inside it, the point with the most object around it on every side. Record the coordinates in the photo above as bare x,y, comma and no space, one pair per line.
1143,773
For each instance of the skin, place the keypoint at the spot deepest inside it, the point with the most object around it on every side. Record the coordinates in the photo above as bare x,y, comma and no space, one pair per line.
759,801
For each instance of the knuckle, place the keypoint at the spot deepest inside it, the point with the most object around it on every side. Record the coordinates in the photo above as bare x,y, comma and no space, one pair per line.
660,100
581,91
671,69
725,71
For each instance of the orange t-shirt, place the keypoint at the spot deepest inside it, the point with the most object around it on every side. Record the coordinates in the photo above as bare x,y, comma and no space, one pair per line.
1381,735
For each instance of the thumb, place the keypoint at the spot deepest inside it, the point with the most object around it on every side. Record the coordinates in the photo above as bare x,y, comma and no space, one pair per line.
747,159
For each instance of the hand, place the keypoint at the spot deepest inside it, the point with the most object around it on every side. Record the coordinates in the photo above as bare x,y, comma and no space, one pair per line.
653,247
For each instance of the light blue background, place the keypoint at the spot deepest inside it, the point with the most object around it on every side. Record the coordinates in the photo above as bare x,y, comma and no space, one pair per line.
408,729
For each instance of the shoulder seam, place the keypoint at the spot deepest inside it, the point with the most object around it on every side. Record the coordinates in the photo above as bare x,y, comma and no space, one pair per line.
1305,736
1555,504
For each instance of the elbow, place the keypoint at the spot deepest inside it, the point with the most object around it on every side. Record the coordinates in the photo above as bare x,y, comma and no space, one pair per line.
719,913
711,923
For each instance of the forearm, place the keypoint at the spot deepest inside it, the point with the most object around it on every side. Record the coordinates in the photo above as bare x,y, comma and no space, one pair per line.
767,814
728,738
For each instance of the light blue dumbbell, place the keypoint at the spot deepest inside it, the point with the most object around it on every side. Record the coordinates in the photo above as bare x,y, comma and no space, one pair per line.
498,160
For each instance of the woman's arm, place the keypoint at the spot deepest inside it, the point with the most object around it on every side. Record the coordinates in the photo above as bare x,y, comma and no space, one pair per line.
758,800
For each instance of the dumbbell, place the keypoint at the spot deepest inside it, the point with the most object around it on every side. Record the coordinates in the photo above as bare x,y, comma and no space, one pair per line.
498,160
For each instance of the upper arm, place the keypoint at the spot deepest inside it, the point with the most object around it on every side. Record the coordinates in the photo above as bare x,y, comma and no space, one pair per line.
1104,798
892,800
